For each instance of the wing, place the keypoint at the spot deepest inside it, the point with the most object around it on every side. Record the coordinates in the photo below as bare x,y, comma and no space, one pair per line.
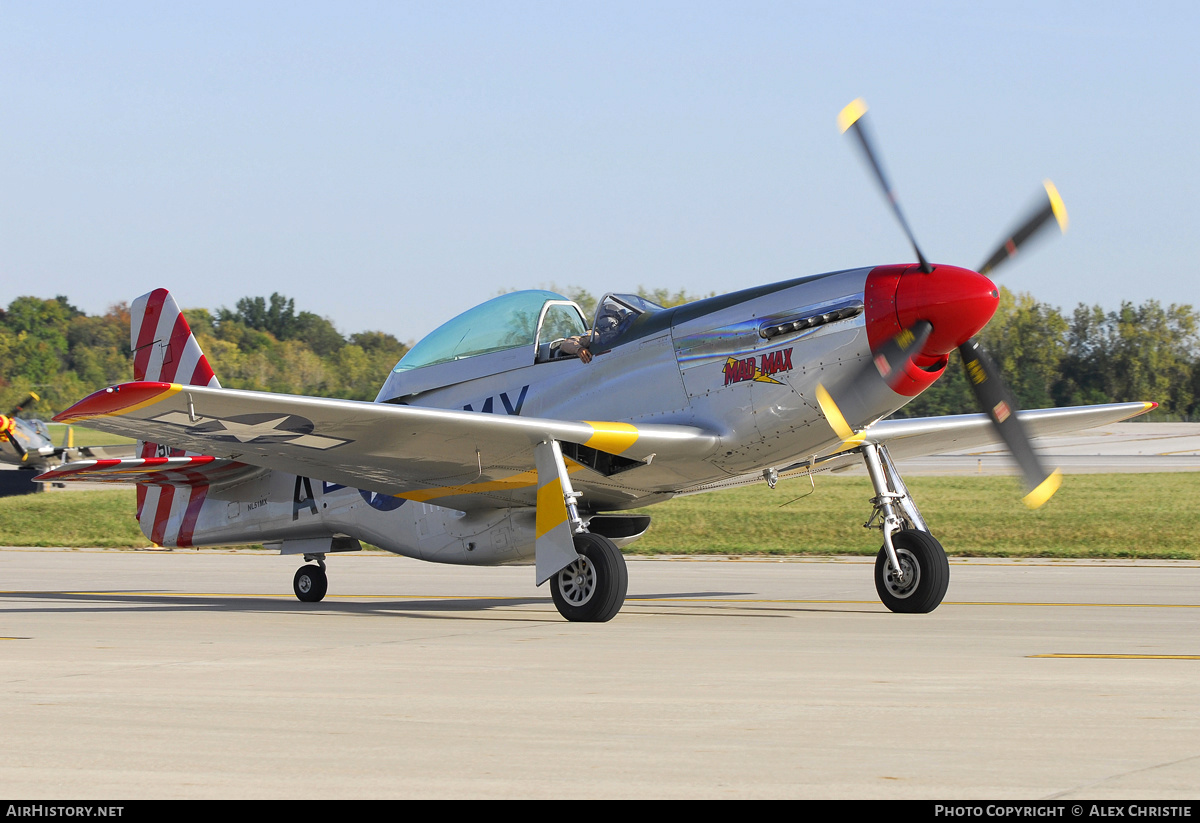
919,436
934,435
462,460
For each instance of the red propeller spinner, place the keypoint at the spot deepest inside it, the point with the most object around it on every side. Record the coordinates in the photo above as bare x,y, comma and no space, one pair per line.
957,302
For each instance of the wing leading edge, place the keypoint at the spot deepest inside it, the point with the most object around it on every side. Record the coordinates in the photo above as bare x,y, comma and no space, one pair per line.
463,460
934,435
920,436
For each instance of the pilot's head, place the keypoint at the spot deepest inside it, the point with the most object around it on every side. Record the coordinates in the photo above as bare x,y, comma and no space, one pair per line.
610,317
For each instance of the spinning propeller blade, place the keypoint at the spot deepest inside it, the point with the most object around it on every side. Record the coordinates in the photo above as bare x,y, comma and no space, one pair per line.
851,118
889,363
991,393
23,403
835,418
1033,224
998,403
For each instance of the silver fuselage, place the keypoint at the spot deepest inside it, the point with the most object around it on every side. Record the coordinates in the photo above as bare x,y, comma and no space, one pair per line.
705,364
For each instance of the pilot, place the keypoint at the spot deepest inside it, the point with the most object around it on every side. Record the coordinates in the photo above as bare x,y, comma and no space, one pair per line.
613,320
577,346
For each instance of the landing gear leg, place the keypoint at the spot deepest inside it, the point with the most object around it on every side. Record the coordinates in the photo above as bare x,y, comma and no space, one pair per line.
911,570
310,582
587,573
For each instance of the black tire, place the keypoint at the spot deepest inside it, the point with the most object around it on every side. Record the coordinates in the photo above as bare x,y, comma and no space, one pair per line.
310,583
926,568
592,588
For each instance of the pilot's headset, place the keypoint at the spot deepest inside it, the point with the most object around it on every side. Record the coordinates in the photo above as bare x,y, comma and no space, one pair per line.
608,321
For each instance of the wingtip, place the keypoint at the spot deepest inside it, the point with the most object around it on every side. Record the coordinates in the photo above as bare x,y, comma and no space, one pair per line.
1044,491
116,400
851,114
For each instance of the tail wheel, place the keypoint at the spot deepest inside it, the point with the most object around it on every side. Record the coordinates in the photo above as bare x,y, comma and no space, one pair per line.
926,573
310,583
592,588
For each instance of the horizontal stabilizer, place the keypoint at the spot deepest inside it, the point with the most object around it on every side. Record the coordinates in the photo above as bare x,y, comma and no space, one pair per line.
118,450
199,470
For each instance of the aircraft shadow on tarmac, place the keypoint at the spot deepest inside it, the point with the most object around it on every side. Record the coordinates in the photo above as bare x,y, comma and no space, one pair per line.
88,602
427,607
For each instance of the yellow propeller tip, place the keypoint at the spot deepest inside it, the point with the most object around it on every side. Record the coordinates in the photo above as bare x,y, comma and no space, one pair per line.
833,415
1044,491
850,115
1056,203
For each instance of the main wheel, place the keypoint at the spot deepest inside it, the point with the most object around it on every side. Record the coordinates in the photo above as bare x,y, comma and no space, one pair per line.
310,583
926,573
592,588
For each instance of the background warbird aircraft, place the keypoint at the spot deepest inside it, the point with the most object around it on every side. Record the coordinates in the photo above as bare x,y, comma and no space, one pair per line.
27,443
488,444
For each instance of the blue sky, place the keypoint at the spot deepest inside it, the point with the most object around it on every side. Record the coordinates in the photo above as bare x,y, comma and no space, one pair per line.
389,165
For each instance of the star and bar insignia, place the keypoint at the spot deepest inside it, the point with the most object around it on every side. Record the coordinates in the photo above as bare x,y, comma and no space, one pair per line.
260,429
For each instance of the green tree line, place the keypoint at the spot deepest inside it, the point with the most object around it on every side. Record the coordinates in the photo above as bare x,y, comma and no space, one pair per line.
54,349
1136,352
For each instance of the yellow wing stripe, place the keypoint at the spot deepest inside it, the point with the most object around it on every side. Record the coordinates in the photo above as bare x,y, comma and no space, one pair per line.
521,480
613,438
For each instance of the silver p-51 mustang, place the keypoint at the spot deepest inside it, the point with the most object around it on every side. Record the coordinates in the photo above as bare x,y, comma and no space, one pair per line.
489,444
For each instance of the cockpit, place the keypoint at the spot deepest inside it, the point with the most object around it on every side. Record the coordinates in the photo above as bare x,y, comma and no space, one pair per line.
517,329
615,315
520,319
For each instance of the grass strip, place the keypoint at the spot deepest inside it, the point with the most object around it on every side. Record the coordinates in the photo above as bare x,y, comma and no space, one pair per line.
1095,516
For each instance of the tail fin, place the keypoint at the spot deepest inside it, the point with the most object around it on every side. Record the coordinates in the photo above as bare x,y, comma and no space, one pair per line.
164,349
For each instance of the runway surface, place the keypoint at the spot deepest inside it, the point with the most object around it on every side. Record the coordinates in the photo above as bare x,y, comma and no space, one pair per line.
197,674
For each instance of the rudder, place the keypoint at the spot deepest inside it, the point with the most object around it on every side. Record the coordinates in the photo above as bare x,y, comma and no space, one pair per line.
165,350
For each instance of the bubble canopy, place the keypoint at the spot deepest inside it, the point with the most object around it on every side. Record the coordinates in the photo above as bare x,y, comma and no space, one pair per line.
506,322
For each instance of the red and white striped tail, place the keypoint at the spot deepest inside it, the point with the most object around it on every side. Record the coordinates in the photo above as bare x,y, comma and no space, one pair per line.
165,350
